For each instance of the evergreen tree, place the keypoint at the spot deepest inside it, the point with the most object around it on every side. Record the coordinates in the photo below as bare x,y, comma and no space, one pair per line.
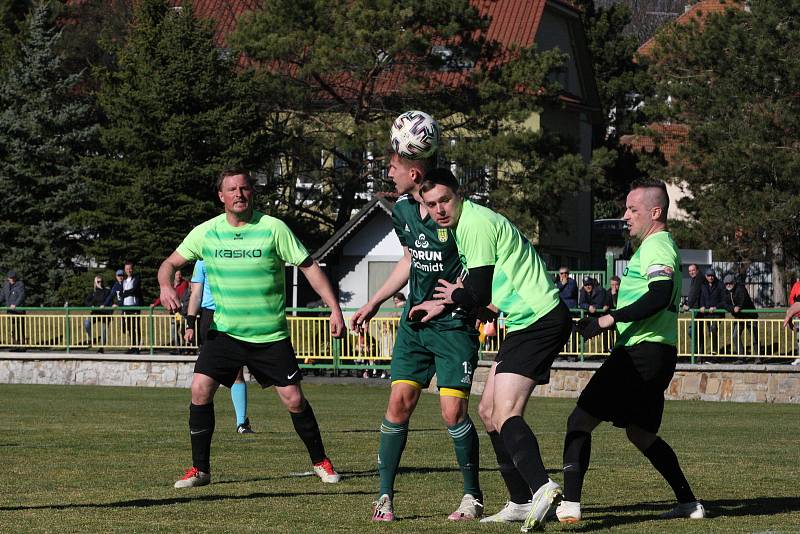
733,82
622,84
12,17
340,71
176,113
46,128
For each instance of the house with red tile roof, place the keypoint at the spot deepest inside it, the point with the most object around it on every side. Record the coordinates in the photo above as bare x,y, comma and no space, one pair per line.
360,255
548,24
668,137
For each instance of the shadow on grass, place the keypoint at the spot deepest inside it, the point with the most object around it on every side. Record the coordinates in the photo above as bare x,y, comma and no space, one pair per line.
612,516
376,431
407,470
144,503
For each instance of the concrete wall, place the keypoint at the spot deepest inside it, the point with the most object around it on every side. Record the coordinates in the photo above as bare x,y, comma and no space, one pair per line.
714,382
740,383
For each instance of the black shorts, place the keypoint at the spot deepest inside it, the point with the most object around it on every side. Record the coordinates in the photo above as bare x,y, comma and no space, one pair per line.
206,318
629,387
530,352
272,364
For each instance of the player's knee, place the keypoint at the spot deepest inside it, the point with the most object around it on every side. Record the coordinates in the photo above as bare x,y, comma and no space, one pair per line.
399,412
640,438
578,421
202,393
293,399
452,415
574,422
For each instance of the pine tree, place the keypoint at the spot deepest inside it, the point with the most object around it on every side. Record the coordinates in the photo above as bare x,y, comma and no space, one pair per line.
339,72
733,82
46,129
176,113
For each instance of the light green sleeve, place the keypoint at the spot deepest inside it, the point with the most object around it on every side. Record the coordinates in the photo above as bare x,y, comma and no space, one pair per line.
658,260
477,241
192,246
288,247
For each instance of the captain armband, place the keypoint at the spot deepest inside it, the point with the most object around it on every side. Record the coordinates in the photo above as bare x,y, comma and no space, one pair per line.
660,271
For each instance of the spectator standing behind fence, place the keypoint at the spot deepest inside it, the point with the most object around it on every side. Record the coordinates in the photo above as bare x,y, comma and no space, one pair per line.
181,286
710,302
97,299
567,288
132,296
611,294
693,300
591,297
735,299
13,297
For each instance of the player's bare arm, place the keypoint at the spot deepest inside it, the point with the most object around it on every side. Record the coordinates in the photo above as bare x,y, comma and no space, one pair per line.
166,273
319,282
398,278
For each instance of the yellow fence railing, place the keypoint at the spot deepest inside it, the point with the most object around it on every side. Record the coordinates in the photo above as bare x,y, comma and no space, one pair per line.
153,330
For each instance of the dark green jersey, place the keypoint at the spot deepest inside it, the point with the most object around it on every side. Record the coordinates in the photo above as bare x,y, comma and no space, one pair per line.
433,254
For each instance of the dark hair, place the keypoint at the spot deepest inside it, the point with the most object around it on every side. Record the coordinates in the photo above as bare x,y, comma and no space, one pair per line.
234,171
399,296
615,278
439,176
647,183
128,262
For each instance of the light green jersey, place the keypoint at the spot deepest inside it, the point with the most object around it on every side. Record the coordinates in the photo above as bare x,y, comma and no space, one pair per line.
521,287
657,258
245,268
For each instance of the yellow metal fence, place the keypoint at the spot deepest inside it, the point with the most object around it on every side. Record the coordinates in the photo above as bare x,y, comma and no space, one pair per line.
154,330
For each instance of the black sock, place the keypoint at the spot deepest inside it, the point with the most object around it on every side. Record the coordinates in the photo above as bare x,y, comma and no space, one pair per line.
518,489
201,429
577,452
523,448
305,424
665,461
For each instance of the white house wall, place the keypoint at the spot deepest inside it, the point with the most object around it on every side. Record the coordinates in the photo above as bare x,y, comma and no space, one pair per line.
374,241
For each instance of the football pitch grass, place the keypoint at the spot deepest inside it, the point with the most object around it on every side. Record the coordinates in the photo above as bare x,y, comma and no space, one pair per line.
100,459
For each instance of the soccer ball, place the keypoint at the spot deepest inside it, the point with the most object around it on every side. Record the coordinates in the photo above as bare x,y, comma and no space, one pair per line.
415,135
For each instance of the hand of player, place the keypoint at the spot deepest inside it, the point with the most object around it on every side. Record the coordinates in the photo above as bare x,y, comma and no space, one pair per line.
169,299
188,335
360,318
487,314
444,291
589,327
337,323
426,311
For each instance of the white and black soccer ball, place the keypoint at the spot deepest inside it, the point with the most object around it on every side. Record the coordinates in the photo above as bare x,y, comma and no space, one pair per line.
415,135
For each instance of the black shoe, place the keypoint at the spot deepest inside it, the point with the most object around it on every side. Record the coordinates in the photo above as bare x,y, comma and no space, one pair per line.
100,351
244,428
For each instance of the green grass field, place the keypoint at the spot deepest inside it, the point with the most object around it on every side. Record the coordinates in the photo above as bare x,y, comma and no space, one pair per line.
99,459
